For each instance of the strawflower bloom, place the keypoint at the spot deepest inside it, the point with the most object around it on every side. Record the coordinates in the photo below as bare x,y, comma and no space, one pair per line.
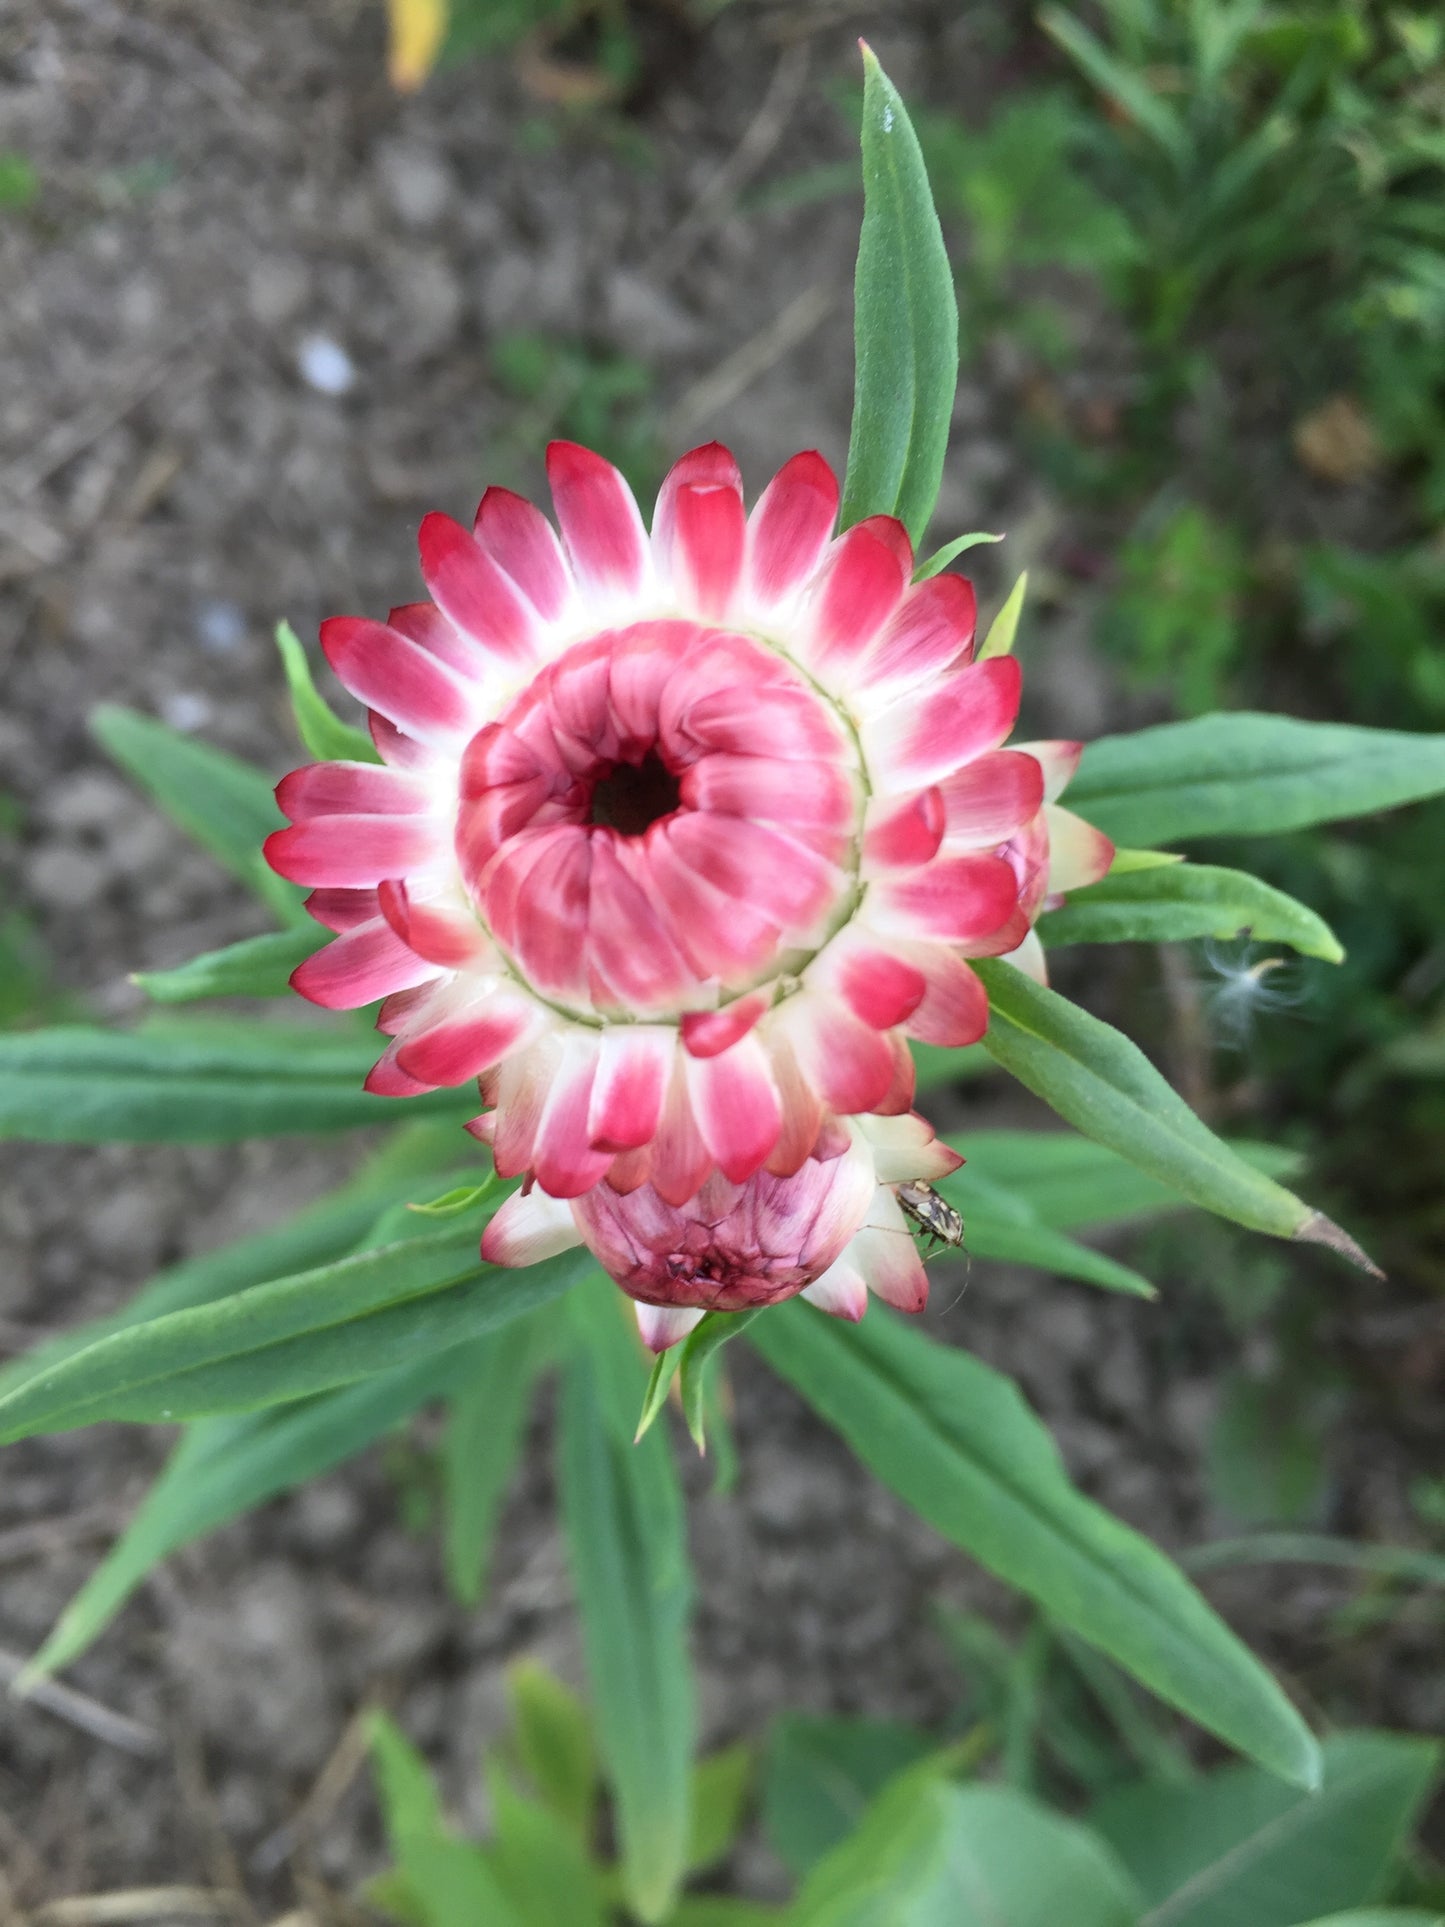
676,837
832,1231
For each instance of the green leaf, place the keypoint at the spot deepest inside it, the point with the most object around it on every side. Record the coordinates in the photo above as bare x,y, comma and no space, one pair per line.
1068,1181
1240,1846
959,1444
659,1384
1093,1076
820,1775
1411,1564
1125,862
936,1066
321,730
225,804
1381,1917
930,1854
326,1229
224,1467
698,1349
287,1339
905,326
1179,901
447,1879
1000,1224
623,1514
1249,775
1003,630
194,1080
552,1739
950,552
486,1422
255,967
721,1785
715,1910
540,1864
1125,86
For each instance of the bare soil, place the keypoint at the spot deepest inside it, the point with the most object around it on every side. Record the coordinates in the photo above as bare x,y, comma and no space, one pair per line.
222,188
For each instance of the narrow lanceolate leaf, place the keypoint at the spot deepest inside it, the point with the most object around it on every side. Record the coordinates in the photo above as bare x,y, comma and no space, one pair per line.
335,1224
1000,1224
1238,1846
288,1339
225,804
1003,630
486,1417
255,967
224,1467
1105,1086
321,730
950,552
1249,775
626,1536
1177,901
905,327
699,1351
194,1080
958,1443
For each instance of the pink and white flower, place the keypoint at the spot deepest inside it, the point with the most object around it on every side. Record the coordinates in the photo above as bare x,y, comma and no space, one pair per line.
677,836
1055,853
831,1231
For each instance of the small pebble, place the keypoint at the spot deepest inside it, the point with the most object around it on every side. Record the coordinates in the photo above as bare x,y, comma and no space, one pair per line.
325,365
220,627
186,710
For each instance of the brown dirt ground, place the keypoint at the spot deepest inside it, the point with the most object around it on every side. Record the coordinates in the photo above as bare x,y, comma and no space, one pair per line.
220,186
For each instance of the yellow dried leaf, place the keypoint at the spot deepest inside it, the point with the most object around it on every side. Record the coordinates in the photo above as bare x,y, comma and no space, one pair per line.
418,28
1337,441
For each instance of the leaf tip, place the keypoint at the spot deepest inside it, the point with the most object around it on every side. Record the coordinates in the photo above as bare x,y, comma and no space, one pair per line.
1317,1229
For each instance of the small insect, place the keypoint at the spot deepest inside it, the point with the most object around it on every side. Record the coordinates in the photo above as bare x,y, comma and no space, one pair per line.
931,1214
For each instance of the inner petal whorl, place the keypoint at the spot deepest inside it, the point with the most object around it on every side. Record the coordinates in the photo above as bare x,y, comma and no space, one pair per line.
715,878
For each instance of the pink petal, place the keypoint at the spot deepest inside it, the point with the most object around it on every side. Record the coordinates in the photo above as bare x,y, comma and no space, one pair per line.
794,794
680,1159
722,937
1058,761
907,1147
841,1291
990,799
453,1050
527,1229
848,1062
600,523
1078,853
902,832
564,1161
473,589
663,1325
859,588
350,789
707,548
736,1107
913,743
706,1032
519,1088
635,965
711,466
875,983
342,909
889,1259
535,902
959,899
932,630
358,967
790,528
898,1098
397,677
387,1079
954,1008
791,723
445,933
634,1066
341,852
516,534
1031,959
394,746
424,623
802,1110
757,865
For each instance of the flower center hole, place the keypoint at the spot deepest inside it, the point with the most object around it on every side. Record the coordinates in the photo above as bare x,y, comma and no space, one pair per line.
634,796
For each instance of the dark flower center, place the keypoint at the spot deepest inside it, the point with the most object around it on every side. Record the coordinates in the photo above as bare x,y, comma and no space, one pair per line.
634,796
